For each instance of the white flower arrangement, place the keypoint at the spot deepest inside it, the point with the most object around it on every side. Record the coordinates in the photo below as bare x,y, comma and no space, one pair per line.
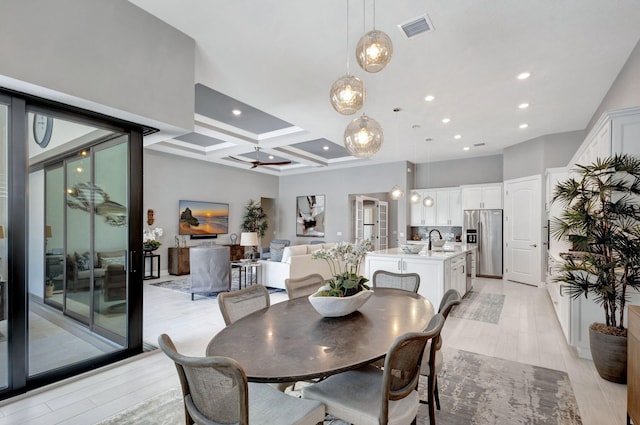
150,237
344,262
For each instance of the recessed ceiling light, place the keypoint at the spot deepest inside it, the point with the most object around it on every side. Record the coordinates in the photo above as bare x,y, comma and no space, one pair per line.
236,112
325,147
457,136
524,75
523,105
446,120
416,126
466,148
270,156
430,98
525,125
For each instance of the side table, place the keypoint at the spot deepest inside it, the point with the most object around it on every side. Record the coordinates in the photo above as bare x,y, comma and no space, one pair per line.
150,258
250,269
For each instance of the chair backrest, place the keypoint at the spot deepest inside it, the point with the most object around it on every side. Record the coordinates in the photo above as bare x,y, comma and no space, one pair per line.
407,281
303,286
450,299
402,364
237,304
215,389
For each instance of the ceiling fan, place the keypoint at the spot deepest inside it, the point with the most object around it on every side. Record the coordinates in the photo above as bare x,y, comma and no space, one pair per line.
258,163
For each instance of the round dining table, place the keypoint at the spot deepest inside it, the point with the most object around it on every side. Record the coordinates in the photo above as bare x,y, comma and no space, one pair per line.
290,341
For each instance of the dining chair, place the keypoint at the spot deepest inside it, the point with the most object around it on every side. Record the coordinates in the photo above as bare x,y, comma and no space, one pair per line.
215,390
450,299
373,396
237,304
406,281
303,286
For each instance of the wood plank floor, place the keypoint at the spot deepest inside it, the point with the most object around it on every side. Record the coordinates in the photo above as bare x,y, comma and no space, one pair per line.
527,332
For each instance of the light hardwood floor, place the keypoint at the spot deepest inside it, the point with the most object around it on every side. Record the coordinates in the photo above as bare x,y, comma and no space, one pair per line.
527,332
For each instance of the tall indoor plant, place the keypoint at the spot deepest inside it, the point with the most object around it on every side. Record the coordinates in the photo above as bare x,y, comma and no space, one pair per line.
254,219
601,219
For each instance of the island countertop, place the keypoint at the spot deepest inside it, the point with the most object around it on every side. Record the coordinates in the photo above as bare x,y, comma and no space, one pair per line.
439,255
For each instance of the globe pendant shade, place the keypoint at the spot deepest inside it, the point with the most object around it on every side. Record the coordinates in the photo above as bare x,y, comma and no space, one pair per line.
396,193
414,197
374,51
363,137
347,94
428,201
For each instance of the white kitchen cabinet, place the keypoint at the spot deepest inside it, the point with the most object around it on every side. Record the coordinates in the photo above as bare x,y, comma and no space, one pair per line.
482,197
446,211
448,207
458,279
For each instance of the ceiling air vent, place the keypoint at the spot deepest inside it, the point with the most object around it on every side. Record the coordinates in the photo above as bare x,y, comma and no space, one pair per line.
416,26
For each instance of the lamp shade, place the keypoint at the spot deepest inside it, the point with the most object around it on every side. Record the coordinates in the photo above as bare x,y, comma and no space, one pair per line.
47,231
1,232
374,51
347,94
248,239
363,137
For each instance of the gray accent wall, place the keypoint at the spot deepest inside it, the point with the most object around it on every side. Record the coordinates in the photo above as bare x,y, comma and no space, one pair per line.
484,169
337,185
625,90
108,56
536,155
168,179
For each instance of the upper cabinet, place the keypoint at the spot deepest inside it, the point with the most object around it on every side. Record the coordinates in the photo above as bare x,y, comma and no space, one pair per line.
446,210
616,132
482,197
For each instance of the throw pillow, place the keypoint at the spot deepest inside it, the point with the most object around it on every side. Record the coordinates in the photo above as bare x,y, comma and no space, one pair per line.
276,250
83,261
111,257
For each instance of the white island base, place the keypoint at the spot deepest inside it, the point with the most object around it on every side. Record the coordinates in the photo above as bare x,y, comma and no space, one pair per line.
439,270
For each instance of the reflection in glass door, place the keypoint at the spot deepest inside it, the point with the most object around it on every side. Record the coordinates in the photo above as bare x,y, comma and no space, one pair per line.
4,115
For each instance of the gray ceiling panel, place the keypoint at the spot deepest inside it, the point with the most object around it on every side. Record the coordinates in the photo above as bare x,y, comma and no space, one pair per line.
199,139
316,147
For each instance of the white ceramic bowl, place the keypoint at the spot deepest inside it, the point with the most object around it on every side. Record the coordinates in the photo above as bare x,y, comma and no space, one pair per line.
412,249
338,306
438,243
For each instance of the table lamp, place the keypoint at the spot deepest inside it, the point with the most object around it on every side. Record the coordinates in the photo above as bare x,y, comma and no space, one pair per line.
249,239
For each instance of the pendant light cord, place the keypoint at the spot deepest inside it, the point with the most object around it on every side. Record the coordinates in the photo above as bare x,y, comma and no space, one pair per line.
347,49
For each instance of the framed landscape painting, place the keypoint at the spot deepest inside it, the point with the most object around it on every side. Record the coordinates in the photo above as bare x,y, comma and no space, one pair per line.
310,215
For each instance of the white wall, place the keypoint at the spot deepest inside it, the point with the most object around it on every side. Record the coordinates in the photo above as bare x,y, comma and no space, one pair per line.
108,56
168,179
485,169
625,90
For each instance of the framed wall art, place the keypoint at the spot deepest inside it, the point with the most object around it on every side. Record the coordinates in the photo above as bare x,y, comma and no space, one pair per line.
310,215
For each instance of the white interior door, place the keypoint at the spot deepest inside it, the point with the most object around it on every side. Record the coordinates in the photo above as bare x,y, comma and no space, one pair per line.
523,211
358,219
383,225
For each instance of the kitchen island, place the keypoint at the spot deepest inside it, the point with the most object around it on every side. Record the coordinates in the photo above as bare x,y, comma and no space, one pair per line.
439,270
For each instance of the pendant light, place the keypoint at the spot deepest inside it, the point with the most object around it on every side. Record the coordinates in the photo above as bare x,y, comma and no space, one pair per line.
374,50
414,197
347,93
428,201
396,193
363,137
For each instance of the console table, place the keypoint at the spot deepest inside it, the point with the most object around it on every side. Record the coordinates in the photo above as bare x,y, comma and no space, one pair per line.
179,261
236,252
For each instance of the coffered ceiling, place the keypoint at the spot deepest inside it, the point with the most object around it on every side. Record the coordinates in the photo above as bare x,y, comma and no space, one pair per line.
275,60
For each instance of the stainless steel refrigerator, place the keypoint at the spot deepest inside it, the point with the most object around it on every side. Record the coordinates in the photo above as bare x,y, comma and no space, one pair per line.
484,229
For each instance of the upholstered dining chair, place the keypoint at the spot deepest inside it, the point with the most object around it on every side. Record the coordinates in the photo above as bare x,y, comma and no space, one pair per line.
450,299
215,390
373,396
407,281
237,304
303,286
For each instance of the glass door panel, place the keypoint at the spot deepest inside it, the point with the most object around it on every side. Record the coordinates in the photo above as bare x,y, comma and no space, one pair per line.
54,236
110,238
4,135
79,267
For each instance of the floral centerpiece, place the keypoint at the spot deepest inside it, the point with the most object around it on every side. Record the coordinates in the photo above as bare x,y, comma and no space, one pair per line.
150,238
344,261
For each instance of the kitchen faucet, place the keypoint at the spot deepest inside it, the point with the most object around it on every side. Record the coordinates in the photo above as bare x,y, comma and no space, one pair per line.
430,231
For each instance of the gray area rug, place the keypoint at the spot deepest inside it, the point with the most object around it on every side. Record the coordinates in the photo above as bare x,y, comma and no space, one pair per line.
480,306
183,284
474,390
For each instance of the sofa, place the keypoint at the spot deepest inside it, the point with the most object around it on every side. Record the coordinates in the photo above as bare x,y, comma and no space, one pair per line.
109,273
296,262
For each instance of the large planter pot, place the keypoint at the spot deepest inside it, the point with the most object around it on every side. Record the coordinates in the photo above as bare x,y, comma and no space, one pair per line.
338,306
609,354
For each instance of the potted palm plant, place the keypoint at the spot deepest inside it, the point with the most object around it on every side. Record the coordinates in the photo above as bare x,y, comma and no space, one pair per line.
602,221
